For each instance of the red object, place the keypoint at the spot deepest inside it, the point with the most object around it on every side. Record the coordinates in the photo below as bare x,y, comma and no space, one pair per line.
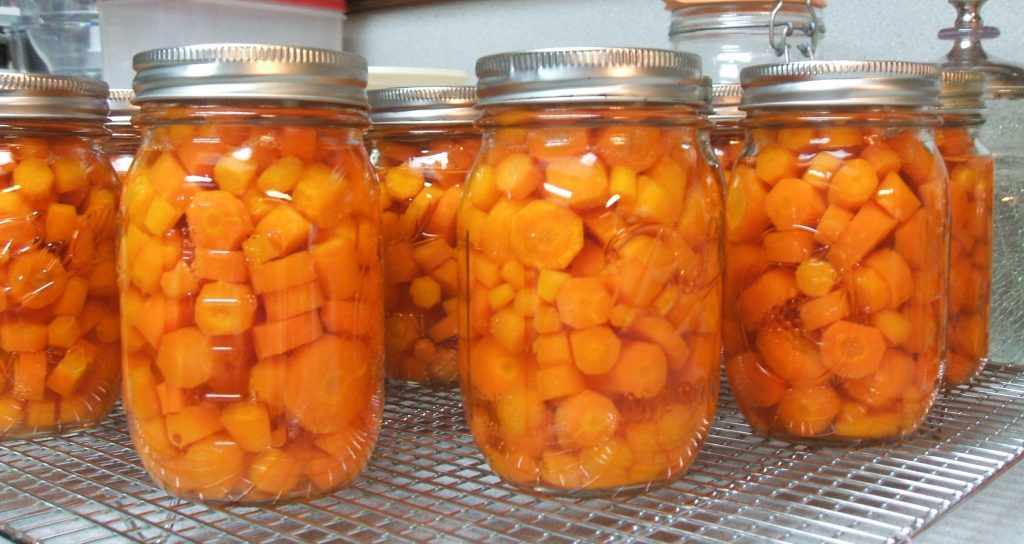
336,5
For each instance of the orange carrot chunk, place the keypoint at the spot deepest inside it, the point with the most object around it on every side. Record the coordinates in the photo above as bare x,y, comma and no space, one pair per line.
186,358
865,231
546,235
808,411
791,356
276,337
852,350
586,419
218,220
794,203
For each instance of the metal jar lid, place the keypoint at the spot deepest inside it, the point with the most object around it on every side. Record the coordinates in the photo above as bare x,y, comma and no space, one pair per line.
589,75
962,90
840,83
725,99
121,106
250,71
433,105
39,96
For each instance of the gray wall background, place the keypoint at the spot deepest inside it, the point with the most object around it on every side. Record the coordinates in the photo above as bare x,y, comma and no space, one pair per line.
453,34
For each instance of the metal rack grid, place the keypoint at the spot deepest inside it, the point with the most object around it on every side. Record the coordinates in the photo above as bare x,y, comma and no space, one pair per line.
427,482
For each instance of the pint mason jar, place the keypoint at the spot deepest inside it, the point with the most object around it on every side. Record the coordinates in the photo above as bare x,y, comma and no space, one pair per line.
59,324
836,253
423,144
971,198
589,239
250,273
727,137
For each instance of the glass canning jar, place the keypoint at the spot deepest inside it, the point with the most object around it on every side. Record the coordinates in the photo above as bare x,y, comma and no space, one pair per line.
250,273
124,139
589,235
730,35
726,133
423,144
59,326
970,169
836,253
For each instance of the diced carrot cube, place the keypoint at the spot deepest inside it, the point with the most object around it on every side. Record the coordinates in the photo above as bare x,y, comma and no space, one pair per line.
794,203
193,423
161,216
186,358
431,253
248,424
444,328
346,317
33,178
320,195
865,231
895,197
63,331
23,336
218,220
61,223
40,414
275,472
788,246
223,309
64,377
172,398
286,229
298,141
337,268
824,310
883,157
661,332
234,174
559,381
29,376
832,223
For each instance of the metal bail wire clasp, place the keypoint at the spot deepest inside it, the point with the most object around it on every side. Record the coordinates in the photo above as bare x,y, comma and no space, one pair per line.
813,30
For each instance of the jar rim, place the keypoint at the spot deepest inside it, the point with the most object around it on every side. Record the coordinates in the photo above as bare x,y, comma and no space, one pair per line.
885,83
424,105
46,96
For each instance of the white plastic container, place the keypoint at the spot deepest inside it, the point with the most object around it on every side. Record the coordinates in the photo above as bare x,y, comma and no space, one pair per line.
130,26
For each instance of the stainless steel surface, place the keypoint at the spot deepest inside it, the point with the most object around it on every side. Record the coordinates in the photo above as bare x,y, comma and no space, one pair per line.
447,105
427,482
589,74
248,71
46,96
840,83
962,90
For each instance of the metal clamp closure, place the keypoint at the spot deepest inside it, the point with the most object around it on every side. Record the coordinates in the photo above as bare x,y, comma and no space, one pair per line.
812,30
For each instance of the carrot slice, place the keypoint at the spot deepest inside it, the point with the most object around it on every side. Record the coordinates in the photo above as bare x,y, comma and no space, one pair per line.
824,310
549,143
918,162
218,220
791,356
752,383
517,176
23,336
293,301
832,223
815,277
586,419
788,246
220,265
276,337
225,308
285,229
853,184
896,273
794,203
822,167
634,147
857,421
65,377
641,370
745,216
852,350
29,376
883,157
867,229
295,269
493,370
328,383
807,411
595,349
193,423
895,197
799,139
546,235
869,291
36,279
776,162
186,358
559,381
583,302
772,290
887,382
581,182
275,472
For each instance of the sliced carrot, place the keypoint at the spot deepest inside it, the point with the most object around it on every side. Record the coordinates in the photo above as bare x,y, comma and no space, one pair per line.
186,358
23,336
896,273
193,423
918,162
520,413
663,333
788,246
559,381
824,310
225,308
923,328
65,377
852,350
547,143
275,472
581,182
807,411
634,147
853,184
328,383
553,349
641,370
866,230
442,221
586,419
293,301
40,414
815,277
839,137
295,269
493,370
791,356
286,229
36,279
887,382
868,290
773,289
821,169
776,162
745,215
220,265
833,222
276,337
546,235
595,349
918,240
883,157
509,329
583,302
218,220
29,376
798,139
431,253
562,470
856,420
517,175
794,203
895,197
752,383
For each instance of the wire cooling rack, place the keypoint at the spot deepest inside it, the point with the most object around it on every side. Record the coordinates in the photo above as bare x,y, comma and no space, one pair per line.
427,482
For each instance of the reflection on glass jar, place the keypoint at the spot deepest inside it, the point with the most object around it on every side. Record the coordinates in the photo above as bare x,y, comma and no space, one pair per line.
589,233
124,139
250,271
60,331
836,259
423,145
